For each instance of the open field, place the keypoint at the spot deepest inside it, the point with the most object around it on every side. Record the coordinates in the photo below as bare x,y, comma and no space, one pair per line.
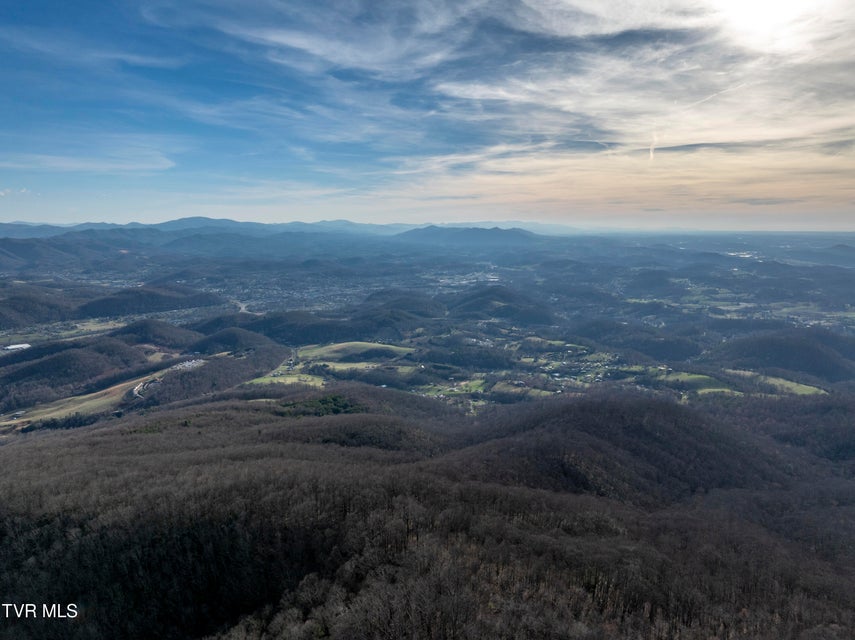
723,390
365,366
98,402
289,378
348,349
788,386
65,330
89,403
692,381
780,384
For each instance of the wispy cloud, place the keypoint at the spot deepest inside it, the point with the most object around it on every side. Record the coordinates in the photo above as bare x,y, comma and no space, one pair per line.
66,49
105,154
591,17
387,38
119,163
502,106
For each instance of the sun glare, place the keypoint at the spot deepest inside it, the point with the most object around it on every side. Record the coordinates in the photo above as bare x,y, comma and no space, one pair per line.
777,25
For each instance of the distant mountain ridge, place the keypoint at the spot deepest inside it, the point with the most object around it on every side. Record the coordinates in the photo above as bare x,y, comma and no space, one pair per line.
470,236
27,247
202,224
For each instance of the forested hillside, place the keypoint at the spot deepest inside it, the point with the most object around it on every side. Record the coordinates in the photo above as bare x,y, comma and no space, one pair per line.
356,512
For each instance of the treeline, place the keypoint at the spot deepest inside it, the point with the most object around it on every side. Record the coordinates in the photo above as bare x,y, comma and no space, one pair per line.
72,421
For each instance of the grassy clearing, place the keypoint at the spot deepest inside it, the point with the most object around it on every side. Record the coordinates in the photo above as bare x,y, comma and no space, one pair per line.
87,404
544,341
285,375
788,386
348,349
64,330
90,326
725,391
160,356
344,366
692,381
780,384
635,369
474,385
454,388
363,366
98,402
431,390
290,378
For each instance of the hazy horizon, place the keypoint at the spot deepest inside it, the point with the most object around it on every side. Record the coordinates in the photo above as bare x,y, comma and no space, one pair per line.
679,115
534,226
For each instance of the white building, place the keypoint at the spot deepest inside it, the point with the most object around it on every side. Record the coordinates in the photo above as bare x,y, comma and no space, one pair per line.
17,347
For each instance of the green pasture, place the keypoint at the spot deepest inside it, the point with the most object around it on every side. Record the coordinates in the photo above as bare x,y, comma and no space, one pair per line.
347,349
780,384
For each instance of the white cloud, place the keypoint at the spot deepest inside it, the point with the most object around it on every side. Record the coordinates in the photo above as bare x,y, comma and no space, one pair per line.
595,17
389,39
68,49
706,92
699,85
14,192
102,153
117,163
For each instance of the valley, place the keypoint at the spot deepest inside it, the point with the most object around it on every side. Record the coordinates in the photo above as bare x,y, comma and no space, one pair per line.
444,433
518,316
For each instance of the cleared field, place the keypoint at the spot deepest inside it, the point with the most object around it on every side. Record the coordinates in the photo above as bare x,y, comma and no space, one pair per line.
780,384
98,402
365,366
344,366
692,381
472,386
86,404
729,392
98,325
349,349
160,356
455,387
289,378
61,330
788,386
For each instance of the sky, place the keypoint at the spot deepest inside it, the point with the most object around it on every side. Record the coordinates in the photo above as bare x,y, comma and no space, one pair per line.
706,114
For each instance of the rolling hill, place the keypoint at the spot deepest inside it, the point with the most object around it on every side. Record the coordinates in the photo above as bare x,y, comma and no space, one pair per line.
813,352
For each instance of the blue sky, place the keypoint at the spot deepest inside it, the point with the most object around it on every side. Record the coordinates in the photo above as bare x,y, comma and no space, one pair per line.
594,113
